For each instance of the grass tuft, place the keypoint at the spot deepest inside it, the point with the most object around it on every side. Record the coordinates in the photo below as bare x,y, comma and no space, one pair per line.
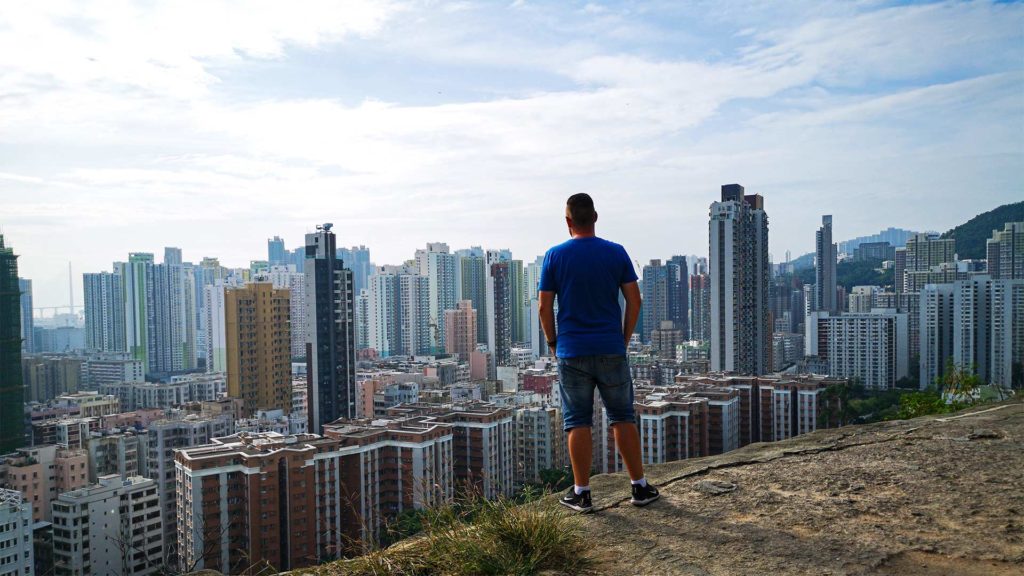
480,537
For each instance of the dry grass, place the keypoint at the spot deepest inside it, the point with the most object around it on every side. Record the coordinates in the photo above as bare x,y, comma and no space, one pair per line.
479,537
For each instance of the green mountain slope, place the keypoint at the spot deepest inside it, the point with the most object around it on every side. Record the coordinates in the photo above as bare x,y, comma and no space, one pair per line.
971,235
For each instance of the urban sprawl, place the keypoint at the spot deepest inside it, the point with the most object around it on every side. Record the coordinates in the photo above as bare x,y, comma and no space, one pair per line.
200,416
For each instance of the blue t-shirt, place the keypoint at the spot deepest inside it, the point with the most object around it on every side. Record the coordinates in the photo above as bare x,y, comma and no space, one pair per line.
586,275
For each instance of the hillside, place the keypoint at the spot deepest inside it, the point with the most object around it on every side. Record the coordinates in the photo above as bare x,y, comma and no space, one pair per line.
850,274
971,235
931,496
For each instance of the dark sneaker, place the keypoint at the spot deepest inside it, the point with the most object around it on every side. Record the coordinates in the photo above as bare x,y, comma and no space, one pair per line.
644,495
578,502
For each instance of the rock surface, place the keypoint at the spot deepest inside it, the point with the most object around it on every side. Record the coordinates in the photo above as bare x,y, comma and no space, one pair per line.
934,495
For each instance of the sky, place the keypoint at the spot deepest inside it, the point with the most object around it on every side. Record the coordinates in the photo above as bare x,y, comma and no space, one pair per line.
213,125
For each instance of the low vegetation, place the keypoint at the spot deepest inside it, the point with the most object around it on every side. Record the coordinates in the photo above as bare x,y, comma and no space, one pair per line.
957,389
479,536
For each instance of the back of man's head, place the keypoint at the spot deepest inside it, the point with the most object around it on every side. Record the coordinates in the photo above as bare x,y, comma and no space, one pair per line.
581,210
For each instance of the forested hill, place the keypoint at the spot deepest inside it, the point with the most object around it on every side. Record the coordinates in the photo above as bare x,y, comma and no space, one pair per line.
971,235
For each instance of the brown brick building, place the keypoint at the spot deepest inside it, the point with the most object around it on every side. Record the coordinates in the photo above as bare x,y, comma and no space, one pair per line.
258,343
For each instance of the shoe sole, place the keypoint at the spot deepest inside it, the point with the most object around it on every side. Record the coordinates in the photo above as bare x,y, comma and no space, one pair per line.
579,509
640,503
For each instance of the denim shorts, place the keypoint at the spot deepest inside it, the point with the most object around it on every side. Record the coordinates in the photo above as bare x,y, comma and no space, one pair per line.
609,374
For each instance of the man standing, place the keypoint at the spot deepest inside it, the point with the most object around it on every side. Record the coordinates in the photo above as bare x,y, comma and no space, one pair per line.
586,274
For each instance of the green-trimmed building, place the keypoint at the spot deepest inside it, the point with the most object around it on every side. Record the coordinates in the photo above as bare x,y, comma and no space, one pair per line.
12,390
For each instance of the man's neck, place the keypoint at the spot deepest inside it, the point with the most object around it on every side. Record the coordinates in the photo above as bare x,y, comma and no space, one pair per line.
583,234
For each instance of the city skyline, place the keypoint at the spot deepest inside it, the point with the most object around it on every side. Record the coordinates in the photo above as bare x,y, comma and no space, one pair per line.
469,124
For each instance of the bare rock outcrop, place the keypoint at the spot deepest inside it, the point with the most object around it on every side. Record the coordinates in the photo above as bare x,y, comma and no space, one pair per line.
934,495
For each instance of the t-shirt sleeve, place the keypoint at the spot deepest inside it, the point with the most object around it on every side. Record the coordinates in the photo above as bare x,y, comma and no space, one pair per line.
548,280
628,273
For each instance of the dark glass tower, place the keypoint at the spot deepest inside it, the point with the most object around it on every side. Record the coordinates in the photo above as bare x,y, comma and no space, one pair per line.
12,390
330,329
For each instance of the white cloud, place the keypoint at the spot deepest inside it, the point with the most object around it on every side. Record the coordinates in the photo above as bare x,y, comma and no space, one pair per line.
118,117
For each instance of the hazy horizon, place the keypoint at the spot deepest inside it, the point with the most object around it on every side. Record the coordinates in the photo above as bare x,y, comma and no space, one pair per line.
214,126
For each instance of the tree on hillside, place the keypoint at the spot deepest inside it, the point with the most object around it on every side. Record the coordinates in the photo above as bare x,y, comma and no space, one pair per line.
971,235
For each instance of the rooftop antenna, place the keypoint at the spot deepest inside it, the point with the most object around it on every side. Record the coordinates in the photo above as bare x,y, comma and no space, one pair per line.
71,291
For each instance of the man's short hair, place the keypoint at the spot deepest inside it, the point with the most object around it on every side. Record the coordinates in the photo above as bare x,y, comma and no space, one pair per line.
581,210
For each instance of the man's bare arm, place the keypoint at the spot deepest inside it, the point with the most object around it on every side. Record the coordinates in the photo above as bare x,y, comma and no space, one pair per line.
546,308
631,292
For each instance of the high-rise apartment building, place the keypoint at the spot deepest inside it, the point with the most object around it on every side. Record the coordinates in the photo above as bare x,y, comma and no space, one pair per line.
923,251
936,335
16,549
474,289
1007,357
330,329
399,322
679,303
672,428
499,307
259,347
27,325
112,527
657,290
739,271
136,278
460,325
825,259
441,269
285,277
988,329
165,437
363,310
104,311
12,389
540,442
1005,252
700,315
518,302
871,348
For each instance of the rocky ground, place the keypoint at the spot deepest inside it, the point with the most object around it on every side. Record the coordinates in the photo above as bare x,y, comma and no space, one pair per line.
936,495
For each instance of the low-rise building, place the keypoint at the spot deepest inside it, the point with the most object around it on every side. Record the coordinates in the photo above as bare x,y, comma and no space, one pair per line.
16,553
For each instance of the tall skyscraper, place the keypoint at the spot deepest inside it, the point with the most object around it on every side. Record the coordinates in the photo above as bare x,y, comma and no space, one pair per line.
164,311
518,302
679,301
741,334
12,390
276,254
499,322
1005,252
825,258
27,345
136,278
474,289
330,327
104,311
259,347
700,317
439,266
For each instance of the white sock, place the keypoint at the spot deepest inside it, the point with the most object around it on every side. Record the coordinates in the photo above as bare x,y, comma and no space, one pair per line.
582,489
641,482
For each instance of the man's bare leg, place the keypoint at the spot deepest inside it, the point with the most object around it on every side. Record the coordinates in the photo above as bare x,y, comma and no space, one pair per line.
627,440
581,454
